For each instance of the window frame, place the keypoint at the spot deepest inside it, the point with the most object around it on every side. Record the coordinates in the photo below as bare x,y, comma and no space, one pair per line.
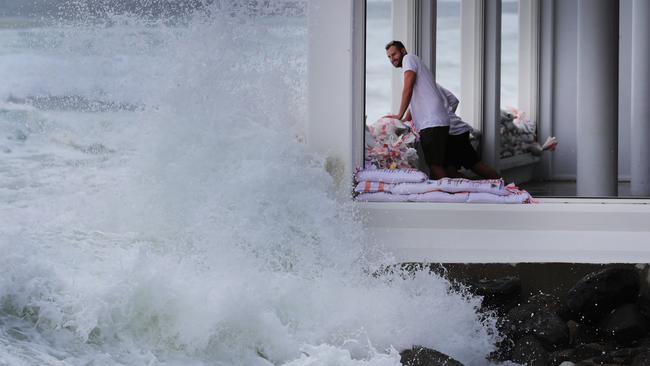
538,36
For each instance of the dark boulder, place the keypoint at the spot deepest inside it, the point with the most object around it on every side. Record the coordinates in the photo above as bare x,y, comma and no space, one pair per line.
642,358
557,357
529,319
644,305
589,333
501,294
627,355
530,352
587,351
625,325
598,293
547,302
422,356
581,352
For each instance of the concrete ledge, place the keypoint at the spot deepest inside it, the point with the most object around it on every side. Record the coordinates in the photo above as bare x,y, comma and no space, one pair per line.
586,232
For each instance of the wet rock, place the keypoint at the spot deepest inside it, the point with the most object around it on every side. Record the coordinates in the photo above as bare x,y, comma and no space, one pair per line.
580,353
558,357
626,354
529,319
422,356
546,302
644,306
503,350
501,294
589,333
595,363
595,354
587,351
642,358
643,342
574,331
598,293
530,352
608,359
625,325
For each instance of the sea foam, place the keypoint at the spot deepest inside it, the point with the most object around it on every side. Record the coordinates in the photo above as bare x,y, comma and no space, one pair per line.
204,233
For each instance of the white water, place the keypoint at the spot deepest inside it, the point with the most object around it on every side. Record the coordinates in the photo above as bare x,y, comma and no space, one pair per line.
159,209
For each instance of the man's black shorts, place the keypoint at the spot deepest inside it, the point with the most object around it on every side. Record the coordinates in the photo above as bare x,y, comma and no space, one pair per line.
434,144
460,152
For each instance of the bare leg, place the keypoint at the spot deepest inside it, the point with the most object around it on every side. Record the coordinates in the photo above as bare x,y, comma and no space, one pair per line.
485,171
452,172
437,172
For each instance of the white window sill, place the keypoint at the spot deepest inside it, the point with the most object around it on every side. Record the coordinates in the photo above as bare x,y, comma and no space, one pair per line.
557,230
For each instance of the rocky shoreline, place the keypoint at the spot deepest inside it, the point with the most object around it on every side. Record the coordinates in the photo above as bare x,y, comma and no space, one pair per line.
603,319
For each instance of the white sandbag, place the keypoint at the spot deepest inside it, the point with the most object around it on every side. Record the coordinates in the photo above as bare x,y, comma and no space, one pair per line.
439,197
452,185
514,198
391,176
373,187
394,143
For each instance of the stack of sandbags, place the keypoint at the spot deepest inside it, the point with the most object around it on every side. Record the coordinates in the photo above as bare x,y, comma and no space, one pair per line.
410,185
390,143
518,134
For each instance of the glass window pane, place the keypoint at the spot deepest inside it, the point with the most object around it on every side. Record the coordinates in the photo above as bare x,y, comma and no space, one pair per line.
379,31
448,45
510,54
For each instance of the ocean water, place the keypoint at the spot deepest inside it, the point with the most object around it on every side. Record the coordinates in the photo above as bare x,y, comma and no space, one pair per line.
158,208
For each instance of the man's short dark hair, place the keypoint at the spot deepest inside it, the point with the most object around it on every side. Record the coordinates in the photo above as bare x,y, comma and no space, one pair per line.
398,44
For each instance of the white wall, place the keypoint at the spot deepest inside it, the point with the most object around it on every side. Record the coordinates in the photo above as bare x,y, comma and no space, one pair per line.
335,85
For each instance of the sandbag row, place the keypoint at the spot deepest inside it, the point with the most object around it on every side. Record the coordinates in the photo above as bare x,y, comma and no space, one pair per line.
410,185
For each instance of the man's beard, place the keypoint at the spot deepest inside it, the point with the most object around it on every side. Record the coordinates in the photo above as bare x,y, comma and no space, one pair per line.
399,63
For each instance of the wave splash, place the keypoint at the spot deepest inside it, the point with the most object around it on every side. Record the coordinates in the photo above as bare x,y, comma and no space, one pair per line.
202,232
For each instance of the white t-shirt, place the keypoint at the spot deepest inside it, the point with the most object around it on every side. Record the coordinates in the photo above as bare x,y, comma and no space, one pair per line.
429,107
456,125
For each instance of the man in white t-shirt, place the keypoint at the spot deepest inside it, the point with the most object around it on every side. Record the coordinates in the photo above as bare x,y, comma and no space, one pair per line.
428,106
444,136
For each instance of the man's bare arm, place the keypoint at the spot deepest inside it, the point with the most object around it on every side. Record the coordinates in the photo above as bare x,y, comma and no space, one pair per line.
407,93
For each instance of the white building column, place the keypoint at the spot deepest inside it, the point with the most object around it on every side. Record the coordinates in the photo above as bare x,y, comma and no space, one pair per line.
335,85
597,86
640,131
491,139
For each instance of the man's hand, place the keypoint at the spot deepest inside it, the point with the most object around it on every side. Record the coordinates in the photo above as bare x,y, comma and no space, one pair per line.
392,116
